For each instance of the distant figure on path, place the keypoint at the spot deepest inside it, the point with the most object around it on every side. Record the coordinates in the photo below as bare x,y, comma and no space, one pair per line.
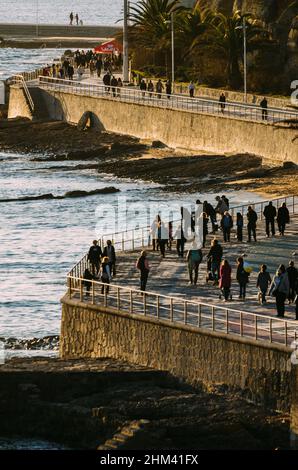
280,289
159,88
283,218
98,66
191,89
264,107
225,280
179,236
194,258
143,266
143,87
107,82
239,225
222,102
252,224
87,278
71,18
105,275
214,257
168,89
263,283
114,84
94,255
222,206
226,225
270,214
150,88
77,19
109,252
242,277
293,280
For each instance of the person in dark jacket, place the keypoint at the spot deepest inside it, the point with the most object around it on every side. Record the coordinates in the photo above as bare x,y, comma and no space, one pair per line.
263,282
264,107
239,225
144,268
87,281
210,211
280,289
293,280
114,84
109,252
252,223
242,278
143,87
283,218
107,82
222,102
226,225
214,257
270,214
194,259
106,275
94,255
168,89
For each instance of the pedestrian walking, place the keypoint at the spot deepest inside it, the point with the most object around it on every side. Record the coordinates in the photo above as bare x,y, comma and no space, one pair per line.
226,225
222,102
159,88
239,225
106,275
109,252
168,89
163,236
270,214
194,258
280,289
225,280
293,280
143,87
144,268
210,211
71,18
107,82
264,107
191,89
94,256
221,206
252,224
77,19
180,241
242,277
88,277
150,88
214,257
98,66
114,84
283,218
263,283
119,86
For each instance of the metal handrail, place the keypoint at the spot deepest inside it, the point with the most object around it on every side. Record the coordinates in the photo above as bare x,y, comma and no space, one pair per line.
19,80
173,101
177,310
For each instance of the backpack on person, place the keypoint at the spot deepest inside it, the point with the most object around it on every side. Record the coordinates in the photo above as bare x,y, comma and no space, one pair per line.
140,264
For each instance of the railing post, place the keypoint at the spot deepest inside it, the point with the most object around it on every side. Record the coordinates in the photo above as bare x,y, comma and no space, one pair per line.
227,321
241,323
171,310
157,305
118,299
93,299
145,303
212,310
131,303
185,312
81,290
286,333
256,327
70,287
270,329
200,315
105,295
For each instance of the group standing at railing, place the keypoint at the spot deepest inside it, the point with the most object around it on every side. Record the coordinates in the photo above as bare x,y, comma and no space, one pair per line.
283,286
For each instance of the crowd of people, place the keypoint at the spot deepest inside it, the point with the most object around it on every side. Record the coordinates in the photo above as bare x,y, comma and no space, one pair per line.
283,285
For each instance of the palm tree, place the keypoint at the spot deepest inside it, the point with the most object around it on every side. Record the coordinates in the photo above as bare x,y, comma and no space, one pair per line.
151,23
190,26
227,35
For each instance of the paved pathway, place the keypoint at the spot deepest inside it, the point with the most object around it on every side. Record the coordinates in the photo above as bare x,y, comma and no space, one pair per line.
169,276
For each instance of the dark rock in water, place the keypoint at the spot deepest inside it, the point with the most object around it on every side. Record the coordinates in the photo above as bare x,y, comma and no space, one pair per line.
157,144
76,193
289,165
107,190
118,147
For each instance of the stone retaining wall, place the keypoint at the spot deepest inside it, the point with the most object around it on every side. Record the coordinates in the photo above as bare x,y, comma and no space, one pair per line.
261,371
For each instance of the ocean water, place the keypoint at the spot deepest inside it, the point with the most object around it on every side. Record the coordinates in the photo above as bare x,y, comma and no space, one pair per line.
41,240
103,12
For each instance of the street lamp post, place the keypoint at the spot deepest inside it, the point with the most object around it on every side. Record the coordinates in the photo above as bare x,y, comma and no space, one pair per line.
125,44
173,48
245,58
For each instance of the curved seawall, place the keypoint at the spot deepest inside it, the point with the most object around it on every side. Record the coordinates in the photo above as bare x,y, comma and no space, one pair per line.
176,128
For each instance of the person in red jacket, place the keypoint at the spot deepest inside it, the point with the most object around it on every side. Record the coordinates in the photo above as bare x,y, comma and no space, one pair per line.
225,274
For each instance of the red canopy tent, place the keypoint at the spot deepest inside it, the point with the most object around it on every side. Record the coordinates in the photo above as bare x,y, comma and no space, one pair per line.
109,47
